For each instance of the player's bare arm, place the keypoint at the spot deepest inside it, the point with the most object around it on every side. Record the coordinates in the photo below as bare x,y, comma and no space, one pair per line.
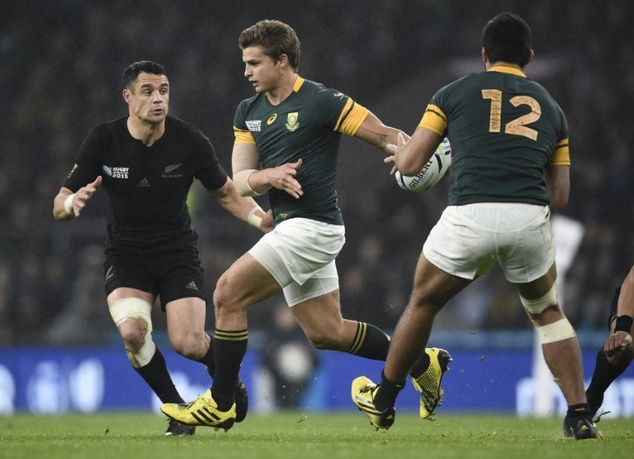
243,208
68,205
619,339
558,185
373,131
250,180
411,155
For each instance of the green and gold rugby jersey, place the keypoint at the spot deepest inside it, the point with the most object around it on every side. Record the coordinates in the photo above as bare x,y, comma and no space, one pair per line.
504,129
308,124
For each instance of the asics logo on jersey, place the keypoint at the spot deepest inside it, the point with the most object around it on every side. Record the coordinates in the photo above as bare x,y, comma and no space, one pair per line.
167,173
254,125
272,119
338,95
116,172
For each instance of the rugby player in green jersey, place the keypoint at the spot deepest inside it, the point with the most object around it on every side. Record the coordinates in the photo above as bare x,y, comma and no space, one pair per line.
510,168
286,143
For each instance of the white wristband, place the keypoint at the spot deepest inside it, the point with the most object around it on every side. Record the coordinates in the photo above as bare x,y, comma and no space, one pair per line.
68,204
255,220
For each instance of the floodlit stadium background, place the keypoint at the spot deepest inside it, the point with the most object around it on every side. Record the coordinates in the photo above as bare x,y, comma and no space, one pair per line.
60,70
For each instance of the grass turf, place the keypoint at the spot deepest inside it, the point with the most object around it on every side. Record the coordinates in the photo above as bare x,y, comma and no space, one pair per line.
307,435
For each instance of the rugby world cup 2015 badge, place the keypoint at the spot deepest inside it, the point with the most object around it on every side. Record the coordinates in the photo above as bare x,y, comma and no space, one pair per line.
292,121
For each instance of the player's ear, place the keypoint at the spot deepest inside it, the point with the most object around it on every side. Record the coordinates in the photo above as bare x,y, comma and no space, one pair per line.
127,95
283,60
485,57
530,58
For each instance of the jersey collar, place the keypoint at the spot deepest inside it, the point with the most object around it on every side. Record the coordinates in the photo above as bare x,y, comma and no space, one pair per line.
507,69
299,81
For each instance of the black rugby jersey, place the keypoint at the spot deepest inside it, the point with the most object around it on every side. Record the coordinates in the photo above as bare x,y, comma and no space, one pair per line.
147,187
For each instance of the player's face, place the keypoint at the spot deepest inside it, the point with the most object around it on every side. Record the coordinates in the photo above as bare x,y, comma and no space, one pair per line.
149,98
260,70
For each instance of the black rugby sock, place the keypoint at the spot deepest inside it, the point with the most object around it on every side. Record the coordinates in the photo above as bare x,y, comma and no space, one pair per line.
370,342
158,378
386,395
604,374
230,348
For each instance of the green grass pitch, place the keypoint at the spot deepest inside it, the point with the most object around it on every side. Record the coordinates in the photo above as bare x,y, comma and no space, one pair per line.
308,435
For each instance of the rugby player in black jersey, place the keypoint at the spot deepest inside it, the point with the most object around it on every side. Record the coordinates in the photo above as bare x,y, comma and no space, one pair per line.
286,143
617,352
146,162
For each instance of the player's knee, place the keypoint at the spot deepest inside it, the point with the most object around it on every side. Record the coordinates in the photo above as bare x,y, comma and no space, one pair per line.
132,318
322,340
539,305
190,346
133,334
225,298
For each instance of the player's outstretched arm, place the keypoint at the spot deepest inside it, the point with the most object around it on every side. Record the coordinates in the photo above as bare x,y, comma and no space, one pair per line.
410,156
243,208
373,131
68,205
621,336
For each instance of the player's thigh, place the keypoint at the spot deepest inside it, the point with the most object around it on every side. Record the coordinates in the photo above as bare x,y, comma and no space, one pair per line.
185,316
320,316
246,282
433,287
539,287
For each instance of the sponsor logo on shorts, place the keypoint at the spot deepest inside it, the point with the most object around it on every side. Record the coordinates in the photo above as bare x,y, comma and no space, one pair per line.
192,286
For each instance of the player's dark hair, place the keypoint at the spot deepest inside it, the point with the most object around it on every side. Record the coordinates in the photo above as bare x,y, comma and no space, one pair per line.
131,73
507,38
275,38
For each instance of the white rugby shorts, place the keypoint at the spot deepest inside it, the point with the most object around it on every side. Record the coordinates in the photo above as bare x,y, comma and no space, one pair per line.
300,255
468,240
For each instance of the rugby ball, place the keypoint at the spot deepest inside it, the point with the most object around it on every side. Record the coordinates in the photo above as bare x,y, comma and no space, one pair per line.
431,173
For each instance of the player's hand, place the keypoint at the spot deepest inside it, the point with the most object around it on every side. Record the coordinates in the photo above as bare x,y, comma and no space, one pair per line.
392,149
283,178
84,194
616,343
267,222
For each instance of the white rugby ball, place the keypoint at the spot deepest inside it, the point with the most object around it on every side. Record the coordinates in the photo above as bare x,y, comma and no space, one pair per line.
431,173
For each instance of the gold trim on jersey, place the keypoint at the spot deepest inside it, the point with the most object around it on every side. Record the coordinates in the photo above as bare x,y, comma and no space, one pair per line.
507,69
242,136
298,83
561,155
434,119
352,117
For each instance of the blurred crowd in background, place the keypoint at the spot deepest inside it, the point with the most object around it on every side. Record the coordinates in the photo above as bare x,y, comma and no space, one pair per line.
60,73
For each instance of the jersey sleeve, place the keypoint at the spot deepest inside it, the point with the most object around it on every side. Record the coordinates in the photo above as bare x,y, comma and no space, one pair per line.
241,133
561,154
210,173
346,116
88,162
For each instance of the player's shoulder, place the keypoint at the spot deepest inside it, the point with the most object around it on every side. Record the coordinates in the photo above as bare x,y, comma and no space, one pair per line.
114,126
321,90
183,128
